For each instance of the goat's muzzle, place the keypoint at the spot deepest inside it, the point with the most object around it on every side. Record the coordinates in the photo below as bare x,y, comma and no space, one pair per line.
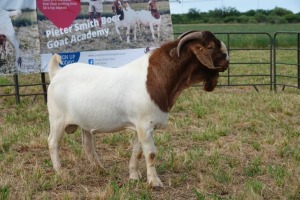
223,66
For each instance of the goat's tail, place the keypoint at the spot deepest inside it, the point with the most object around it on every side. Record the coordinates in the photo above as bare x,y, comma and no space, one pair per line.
53,65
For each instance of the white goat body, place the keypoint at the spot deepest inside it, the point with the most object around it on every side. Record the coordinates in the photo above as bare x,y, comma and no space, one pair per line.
115,99
130,20
146,19
124,104
136,96
7,29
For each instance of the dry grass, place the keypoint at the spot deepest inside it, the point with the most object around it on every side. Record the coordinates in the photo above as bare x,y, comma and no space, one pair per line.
234,143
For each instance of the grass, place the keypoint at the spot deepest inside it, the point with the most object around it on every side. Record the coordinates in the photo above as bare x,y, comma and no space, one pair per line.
221,28
233,143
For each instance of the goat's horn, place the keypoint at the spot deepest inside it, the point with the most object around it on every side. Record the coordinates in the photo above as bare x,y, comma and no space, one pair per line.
191,35
185,33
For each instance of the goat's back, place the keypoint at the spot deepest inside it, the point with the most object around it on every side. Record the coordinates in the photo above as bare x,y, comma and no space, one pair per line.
145,17
130,18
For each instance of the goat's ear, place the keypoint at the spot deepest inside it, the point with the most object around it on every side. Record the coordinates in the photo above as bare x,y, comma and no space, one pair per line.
204,55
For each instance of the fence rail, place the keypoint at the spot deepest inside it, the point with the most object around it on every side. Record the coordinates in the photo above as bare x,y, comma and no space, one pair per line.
266,72
278,64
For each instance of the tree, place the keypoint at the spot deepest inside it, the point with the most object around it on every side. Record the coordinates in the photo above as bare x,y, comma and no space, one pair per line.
193,13
280,12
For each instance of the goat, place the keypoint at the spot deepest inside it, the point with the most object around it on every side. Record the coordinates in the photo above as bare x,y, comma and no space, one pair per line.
136,96
146,19
151,18
7,29
130,20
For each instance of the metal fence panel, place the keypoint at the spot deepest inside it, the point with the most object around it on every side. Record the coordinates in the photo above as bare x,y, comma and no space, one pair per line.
263,68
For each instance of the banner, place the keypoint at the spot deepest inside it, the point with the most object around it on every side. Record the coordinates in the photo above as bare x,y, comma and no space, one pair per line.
19,37
108,33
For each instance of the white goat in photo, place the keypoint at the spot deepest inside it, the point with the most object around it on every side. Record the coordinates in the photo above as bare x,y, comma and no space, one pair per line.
129,21
146,19
137,96
7,29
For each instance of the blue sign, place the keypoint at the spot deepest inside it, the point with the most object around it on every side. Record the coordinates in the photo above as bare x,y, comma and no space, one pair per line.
68,58
91,61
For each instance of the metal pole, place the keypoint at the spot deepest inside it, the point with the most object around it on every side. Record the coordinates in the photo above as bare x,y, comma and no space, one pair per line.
17,91
228,70
44,86
274,61
298,59
271,62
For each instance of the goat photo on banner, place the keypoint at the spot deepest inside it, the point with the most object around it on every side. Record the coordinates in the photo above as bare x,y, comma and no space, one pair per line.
19,38
102,32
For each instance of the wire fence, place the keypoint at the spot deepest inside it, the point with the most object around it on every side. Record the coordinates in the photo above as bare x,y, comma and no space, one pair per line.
253,66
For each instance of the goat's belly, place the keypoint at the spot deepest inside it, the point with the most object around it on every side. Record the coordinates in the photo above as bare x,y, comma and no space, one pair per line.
112,119
100,120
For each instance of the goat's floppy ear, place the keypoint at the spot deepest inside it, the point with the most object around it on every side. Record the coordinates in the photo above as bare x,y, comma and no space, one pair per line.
203,55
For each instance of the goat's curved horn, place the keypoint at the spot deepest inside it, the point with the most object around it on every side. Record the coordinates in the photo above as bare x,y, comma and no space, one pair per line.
191,35
185,33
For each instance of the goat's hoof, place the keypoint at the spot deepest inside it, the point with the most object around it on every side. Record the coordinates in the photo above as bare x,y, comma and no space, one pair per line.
136,175
155,182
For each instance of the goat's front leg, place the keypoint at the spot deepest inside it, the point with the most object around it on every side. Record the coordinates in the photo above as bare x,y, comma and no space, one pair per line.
146,139
134,172
152,31
158,31
134,32
88,145
118,31
127,34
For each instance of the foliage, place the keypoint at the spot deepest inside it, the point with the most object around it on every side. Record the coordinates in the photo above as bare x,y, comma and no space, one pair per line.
231,15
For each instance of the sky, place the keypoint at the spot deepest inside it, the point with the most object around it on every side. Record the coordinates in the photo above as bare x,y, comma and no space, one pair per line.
240,5
185,5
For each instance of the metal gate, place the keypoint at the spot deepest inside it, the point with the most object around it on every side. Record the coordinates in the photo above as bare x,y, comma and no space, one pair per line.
286,73
250,65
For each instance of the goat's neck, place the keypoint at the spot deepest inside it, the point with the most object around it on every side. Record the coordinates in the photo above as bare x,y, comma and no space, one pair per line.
168,77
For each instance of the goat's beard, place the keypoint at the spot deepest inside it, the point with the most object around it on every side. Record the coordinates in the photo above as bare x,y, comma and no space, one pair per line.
210,83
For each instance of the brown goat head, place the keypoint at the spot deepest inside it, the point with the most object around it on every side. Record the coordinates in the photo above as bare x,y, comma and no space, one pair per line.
196,56
210,51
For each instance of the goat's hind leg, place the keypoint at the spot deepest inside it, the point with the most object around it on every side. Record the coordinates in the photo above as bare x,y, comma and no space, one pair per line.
134,172
88,145
56,133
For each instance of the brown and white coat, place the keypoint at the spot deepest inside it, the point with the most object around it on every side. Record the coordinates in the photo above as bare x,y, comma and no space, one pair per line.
136,96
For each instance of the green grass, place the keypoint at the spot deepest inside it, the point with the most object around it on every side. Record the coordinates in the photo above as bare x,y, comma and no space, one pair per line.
221,28
266,31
